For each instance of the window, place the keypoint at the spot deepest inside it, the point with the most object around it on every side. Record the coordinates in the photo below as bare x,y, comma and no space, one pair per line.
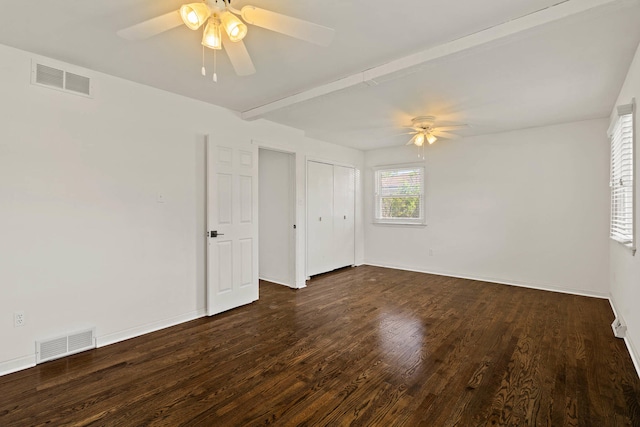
400,195
622,176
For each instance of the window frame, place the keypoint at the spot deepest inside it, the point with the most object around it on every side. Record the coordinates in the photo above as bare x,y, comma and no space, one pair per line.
616,197
377,218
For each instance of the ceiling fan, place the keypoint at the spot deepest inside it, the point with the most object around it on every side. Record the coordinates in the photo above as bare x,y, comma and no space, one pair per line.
223,27
425,128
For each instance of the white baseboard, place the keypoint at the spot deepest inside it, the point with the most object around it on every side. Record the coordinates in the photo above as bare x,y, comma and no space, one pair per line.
538,286
630,347
148,328
15,365
633,353
29,361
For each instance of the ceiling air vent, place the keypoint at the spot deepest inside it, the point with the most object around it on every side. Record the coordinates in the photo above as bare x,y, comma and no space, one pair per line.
56,78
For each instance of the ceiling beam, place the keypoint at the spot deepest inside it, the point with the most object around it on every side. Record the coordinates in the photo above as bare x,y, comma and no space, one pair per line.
413,63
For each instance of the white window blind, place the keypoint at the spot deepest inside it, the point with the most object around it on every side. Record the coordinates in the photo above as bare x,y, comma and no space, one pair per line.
400,195
622,176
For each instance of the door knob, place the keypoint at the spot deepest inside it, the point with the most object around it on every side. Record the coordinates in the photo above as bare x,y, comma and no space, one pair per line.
215,233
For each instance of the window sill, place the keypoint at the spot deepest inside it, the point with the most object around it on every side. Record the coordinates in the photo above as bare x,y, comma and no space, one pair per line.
629,246
400,224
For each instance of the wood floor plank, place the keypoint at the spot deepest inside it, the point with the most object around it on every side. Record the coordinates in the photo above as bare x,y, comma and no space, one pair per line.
363,346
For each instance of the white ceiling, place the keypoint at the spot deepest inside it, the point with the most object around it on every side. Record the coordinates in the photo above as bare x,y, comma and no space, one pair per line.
492,64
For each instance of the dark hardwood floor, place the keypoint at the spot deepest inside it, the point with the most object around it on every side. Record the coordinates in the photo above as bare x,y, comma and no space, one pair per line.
366,347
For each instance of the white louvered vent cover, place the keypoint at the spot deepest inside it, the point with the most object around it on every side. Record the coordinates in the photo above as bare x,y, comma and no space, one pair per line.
77,83
49,76
56,348
81,340
55,78
52,349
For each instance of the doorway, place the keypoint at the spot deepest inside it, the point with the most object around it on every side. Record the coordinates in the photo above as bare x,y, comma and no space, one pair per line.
276,206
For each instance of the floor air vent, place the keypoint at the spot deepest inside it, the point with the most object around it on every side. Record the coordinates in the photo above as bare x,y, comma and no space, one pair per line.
66,345
55,78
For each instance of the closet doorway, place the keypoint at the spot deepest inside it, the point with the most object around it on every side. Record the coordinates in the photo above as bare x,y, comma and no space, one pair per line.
276,188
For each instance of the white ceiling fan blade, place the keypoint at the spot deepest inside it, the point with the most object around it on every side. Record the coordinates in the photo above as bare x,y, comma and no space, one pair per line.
445,135
151,27
447,128
386,137
239,56
294,27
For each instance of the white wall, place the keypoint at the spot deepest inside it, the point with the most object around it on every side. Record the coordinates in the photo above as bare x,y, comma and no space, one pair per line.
83,239
528,207
625,268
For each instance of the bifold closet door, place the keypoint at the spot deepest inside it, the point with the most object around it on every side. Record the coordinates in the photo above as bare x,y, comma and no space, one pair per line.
343,216
319,218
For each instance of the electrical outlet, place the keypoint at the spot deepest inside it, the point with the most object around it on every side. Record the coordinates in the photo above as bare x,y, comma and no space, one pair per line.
19,319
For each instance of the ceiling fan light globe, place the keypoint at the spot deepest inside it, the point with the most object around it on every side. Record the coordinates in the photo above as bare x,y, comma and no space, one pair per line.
431,138
234,27
212,36
194,14
418,139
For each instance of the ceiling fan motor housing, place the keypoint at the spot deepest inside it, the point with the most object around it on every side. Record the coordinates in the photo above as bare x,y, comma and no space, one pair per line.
216,5
423,122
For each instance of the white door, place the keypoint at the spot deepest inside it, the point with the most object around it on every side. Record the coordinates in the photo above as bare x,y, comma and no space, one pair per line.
319,218
343,216
232,221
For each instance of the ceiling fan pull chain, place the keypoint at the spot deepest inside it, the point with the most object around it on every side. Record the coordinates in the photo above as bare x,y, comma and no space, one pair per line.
203,71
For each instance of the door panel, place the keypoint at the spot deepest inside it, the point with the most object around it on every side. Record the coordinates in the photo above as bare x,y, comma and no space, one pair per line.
343,216
246,199
232,270
319,218
246,262
224,198
224,251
